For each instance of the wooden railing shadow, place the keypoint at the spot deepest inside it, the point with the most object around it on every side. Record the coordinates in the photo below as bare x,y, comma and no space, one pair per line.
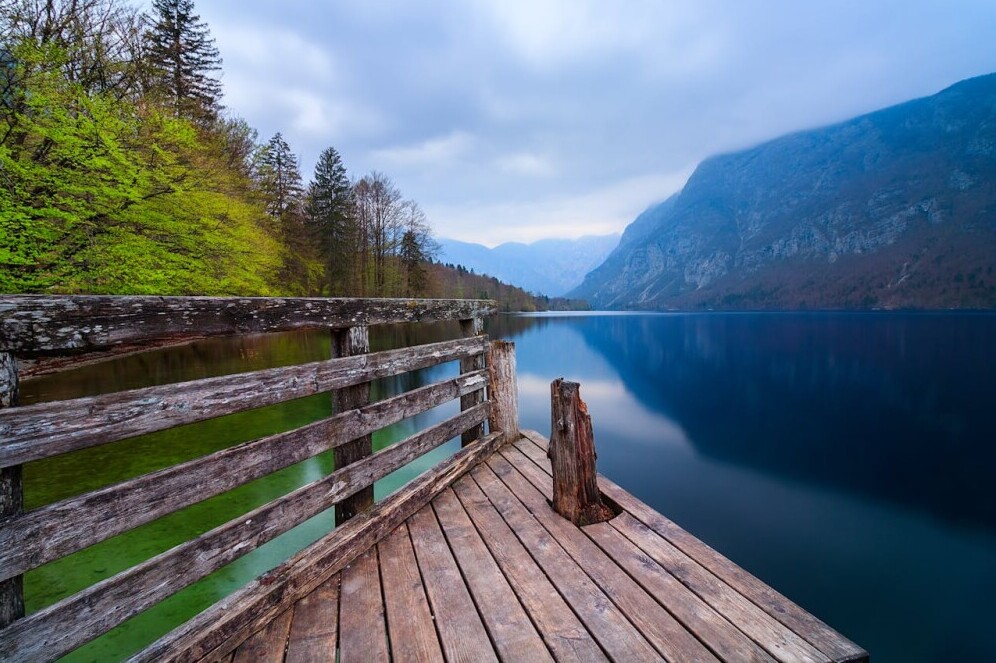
34,326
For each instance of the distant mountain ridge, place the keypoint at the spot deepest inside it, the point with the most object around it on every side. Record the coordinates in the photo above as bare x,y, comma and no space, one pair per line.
549,267
894,209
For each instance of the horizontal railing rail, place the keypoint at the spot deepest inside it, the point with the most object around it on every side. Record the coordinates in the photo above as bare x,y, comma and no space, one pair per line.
32,326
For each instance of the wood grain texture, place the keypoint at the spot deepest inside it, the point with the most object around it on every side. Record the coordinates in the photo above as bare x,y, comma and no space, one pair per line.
350,343
314,632
472,328
810,628
45,429
43,324
661,629
572,454
56,530
361,612
503,389
222,627
461,631
410,624
610,627
11,497
65,625
560,628
513,634
266,645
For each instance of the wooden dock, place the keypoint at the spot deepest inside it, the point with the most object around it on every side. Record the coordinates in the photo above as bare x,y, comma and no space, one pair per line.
468,562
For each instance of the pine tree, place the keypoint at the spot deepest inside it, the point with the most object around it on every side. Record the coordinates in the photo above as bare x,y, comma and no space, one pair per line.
183,59
330,211
279,177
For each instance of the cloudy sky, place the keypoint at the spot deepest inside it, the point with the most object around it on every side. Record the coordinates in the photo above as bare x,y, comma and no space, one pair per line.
524,119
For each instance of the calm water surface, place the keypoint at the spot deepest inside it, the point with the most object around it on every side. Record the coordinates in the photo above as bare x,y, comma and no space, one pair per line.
845,459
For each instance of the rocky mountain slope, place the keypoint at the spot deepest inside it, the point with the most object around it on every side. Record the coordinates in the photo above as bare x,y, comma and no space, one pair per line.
892,209
549,267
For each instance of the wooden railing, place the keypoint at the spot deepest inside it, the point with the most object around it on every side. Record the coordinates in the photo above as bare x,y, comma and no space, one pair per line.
32,326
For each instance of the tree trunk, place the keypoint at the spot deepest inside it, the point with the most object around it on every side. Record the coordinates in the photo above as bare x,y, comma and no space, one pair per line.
572,453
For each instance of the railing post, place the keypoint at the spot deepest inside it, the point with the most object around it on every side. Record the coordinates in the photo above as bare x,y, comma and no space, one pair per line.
346,343
11,496
572,454
503,392
468,329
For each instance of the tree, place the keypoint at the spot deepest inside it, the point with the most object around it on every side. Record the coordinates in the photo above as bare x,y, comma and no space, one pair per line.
330,211
379,216
279,177
417,249
183,59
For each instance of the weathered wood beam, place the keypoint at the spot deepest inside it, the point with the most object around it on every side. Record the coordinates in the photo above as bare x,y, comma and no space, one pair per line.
32,432
572,452
503,390
11,497
221,628
350,343
61,528
472,328
33,325
75,620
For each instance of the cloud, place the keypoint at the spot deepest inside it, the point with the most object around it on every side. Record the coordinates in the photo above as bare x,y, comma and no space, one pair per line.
601,211
523,119
438,152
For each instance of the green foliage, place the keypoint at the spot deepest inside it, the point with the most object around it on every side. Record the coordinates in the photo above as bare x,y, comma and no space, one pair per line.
100,195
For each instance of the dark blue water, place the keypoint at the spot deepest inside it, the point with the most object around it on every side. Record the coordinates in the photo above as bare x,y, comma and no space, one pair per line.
845,459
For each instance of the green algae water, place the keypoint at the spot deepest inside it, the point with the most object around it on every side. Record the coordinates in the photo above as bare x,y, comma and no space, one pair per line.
844,458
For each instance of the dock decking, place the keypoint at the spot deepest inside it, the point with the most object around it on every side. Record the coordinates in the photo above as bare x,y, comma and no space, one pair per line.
488,571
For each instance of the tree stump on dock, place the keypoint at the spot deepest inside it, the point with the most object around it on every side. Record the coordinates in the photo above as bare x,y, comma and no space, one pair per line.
572,453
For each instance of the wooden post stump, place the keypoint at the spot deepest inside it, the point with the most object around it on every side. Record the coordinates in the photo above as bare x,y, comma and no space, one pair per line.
11,496
503,390
468,329
346,343
572,453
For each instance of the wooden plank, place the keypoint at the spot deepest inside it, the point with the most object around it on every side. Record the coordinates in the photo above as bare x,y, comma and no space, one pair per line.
472,328
572,456
614,633
807,626
44,324
266,645
81,617
560,628
720,635
503,389
513,634
314,631
410,625
667,635
349,343
363,634
461,631
46,429
771,634
61,528
11,497
220,628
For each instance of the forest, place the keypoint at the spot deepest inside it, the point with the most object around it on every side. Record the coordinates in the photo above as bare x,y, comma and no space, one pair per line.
121,172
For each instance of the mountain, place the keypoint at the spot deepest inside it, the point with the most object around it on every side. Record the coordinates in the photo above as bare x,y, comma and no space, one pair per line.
550,267
892,209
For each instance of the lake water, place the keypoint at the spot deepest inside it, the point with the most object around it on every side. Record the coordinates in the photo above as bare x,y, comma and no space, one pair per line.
845,459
